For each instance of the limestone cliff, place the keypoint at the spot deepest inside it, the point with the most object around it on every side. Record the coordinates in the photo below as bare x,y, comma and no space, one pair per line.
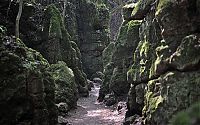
27,87
165,70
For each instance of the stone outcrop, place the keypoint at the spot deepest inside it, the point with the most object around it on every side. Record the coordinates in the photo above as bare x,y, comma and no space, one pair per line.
165,70
45,32
93,29
59,47
189,116
29,78
65,85
30,86
118,58
27,87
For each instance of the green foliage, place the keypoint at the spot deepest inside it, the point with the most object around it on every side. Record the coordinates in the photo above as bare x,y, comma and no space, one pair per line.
191,116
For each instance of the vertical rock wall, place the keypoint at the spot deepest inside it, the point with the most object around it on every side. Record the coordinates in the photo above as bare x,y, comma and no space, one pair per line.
118,58
27,87
165,70
93,34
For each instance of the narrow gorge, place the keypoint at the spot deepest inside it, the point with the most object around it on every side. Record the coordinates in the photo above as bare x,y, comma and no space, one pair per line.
100,62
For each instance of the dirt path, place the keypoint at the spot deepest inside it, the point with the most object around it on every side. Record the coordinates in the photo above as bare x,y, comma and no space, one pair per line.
89,112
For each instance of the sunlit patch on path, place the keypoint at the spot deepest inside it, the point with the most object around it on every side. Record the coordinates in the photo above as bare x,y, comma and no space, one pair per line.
90,112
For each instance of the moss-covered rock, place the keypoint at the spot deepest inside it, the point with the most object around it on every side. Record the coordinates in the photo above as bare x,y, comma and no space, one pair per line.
141,8
27,88
61,48
93,28
168,94
127,10
107,53
65,86
118,58
168,43
191,116
187,54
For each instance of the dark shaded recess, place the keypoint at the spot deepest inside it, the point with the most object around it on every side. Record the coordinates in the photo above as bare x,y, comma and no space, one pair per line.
192,8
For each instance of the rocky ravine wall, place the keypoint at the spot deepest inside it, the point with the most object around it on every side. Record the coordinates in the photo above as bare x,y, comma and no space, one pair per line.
43,29
27,87
30,86
93,34
117,59
164,75
165,70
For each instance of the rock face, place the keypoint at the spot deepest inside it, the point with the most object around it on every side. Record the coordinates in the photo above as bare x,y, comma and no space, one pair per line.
27,87
61,48
29,78
165,70
187,117
116,16
45,31
118,58
65,85
93,34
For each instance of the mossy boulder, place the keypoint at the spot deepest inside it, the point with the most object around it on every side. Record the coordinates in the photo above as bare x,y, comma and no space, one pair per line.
118,83
169,94
190,116
141,9
187,55
65,87
27,88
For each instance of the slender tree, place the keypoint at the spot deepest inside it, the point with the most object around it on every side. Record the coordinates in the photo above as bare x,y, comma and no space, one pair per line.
64,9
18,18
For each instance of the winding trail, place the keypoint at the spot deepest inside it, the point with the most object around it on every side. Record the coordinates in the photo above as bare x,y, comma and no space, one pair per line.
90,112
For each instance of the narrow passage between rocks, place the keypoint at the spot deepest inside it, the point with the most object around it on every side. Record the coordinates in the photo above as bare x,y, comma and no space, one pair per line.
90,112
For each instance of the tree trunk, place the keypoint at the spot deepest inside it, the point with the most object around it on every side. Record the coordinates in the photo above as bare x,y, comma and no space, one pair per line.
18,19
64,10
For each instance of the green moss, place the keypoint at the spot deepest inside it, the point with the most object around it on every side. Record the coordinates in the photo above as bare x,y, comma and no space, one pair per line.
144,48
132,24
56,21
66,88
153,101
131,5
187,117
127,31
140,6
159,53
107,53
22,68
137,7
187,54
132,72
163,4
181,119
